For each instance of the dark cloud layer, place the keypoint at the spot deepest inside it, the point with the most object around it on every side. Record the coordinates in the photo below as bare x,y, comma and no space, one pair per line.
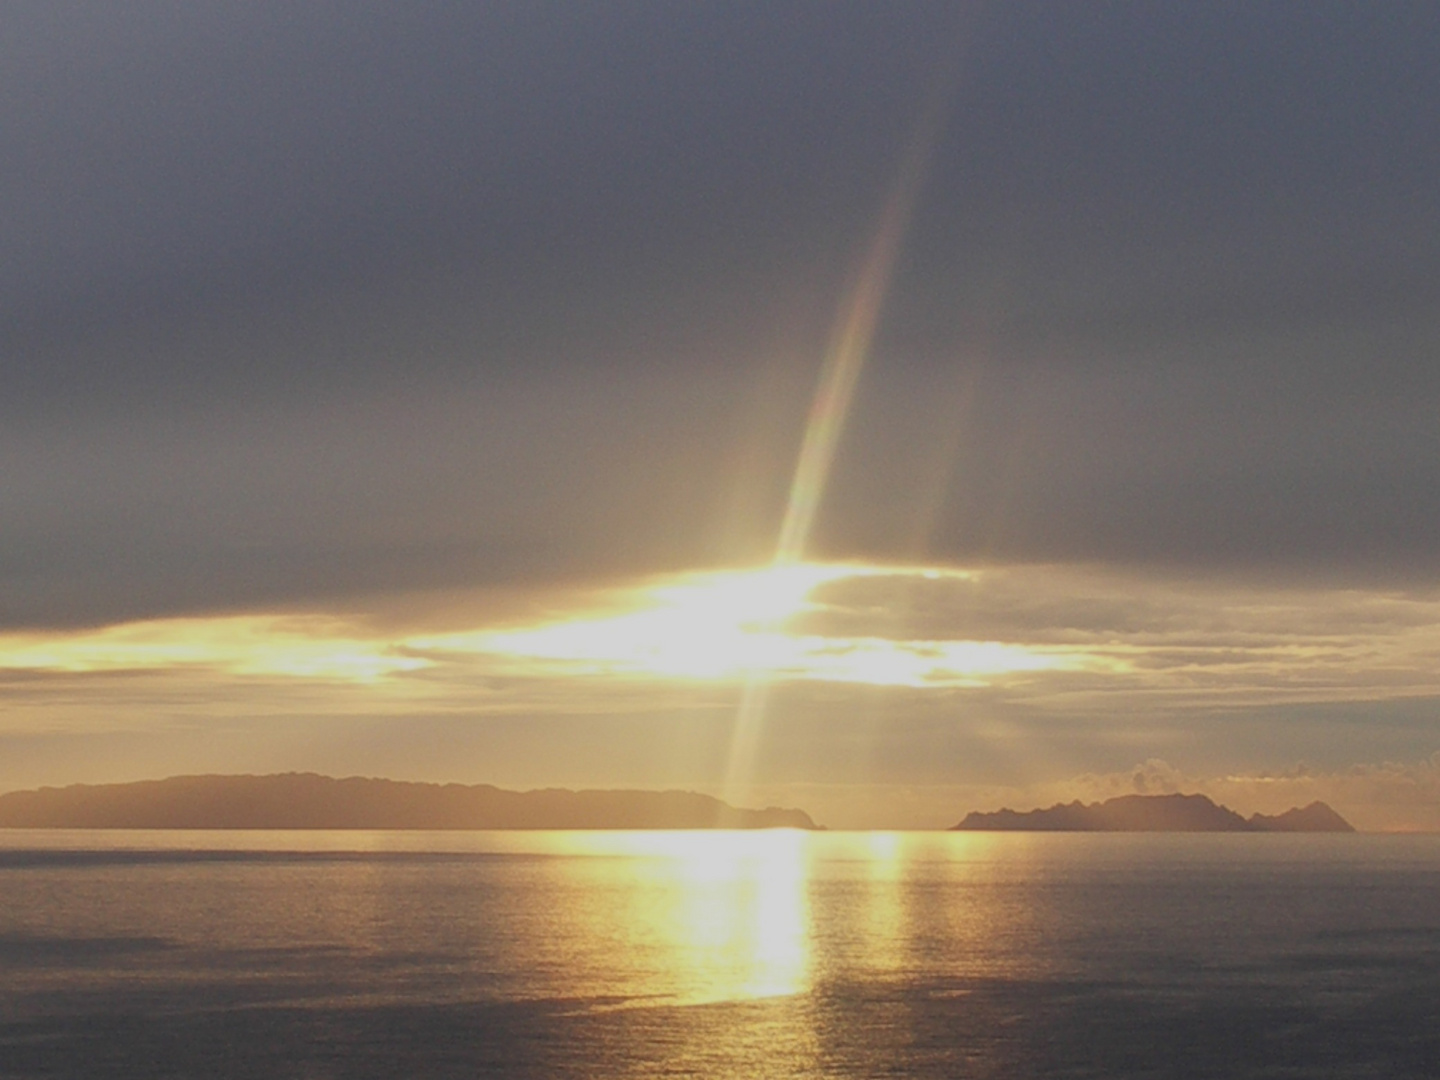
319,301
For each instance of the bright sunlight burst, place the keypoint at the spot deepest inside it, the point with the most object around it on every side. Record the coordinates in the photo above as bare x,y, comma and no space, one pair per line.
711,625
736,624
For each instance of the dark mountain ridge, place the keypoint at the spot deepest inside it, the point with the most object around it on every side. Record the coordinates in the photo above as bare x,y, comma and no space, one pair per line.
1155,813
311,801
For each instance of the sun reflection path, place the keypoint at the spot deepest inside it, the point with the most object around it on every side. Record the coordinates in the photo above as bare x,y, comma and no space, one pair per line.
719,915
744,917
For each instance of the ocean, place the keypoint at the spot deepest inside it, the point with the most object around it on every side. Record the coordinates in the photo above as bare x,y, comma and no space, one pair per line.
717,954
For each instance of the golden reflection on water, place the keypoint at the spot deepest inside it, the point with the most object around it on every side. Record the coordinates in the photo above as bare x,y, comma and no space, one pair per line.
706,917
722,955
620,919
717,916
884,928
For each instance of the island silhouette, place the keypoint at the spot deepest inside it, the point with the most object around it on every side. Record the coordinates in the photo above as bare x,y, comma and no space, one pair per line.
311,801
1155,813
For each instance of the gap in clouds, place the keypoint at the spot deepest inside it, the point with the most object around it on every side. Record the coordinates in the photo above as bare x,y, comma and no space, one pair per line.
1218,674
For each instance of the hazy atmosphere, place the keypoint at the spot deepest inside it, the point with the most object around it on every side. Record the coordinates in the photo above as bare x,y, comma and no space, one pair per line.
887,410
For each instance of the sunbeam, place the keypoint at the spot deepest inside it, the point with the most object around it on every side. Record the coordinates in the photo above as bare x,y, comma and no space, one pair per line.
834,395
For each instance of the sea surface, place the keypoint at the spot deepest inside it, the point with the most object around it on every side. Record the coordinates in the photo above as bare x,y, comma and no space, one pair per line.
726,954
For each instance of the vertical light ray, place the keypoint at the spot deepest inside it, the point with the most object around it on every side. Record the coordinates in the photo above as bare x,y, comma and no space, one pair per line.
849,346
830,408
745,739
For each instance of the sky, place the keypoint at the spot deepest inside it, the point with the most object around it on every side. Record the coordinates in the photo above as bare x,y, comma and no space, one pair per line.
892,410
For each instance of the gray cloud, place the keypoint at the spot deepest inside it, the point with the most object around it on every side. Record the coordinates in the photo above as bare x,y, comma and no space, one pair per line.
1068,605
298,303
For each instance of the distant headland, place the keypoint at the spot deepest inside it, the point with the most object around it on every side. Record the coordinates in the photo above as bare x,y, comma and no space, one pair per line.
1156,813
310,801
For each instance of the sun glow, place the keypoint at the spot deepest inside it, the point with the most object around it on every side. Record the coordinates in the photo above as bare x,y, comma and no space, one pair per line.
699,626
736,625
767,624
300,647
